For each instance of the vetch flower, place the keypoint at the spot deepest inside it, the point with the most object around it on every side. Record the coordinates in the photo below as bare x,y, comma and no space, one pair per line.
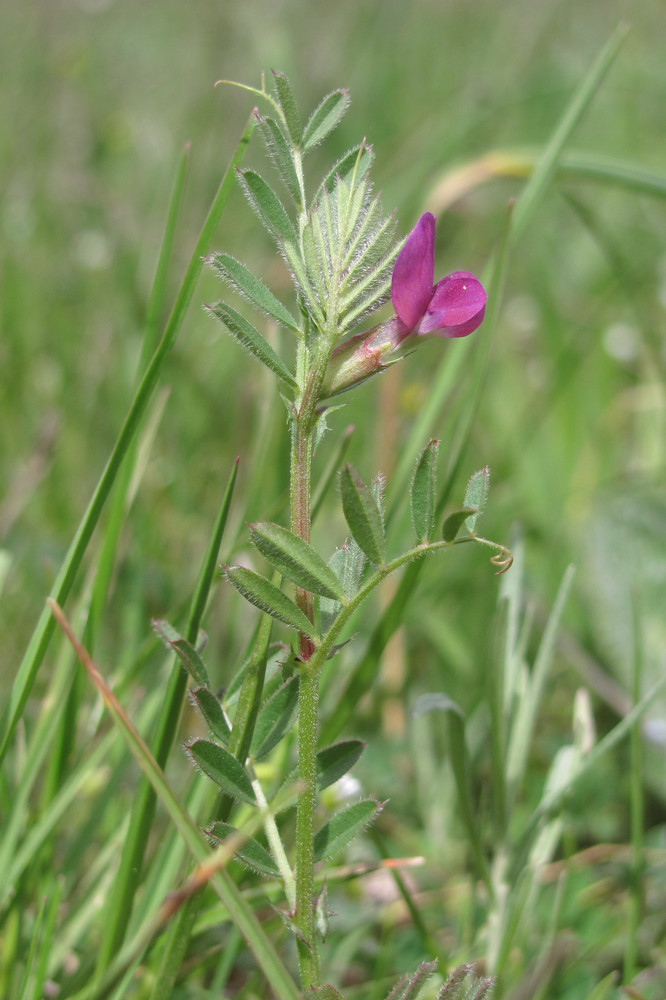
454,307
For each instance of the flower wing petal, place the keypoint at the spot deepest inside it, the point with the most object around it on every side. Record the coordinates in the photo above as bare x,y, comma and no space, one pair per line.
414,271
457,306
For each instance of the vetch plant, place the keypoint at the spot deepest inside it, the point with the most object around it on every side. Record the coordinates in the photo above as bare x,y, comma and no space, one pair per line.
344,262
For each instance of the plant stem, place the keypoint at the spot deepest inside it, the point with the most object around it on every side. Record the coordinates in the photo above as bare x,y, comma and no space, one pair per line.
308,694
301,462
308,955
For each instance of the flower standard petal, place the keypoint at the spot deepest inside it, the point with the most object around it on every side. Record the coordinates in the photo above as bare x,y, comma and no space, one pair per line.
414,271
457,306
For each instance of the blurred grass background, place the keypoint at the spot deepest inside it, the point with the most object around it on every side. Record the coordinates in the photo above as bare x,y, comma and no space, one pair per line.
99,99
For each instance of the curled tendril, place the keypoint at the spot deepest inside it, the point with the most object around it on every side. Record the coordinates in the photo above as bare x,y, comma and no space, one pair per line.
503,559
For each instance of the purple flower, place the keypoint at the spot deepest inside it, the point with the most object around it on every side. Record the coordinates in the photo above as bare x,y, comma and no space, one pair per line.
454,307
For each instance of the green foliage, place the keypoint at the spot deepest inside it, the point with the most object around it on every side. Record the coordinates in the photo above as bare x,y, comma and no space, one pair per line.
280,152
288,106
424,492
339,831
268,207
250,338
184,650
275,718
253,288
222,768
357,161
212,712
296,560
476,496
267,597
325,117
336,760
568,410
362,515
455,520
250,852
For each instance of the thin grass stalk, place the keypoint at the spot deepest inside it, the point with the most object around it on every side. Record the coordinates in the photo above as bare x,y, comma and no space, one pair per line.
636,812
544,173
68,571
143,811
215,875
247,710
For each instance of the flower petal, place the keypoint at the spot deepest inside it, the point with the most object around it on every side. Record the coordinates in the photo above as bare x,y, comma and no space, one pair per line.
414,272
457,306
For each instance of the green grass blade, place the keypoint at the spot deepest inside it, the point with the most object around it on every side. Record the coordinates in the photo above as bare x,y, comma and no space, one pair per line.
157,296
154,309
446,380
24,988
52,903
167,724
637,813
239,910
462,773
534,190
247,711
611,171
526,714
70,566
553,801
39,831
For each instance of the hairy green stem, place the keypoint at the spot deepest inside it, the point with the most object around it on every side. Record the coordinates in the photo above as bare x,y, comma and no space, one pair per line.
305,814
300,498
303,425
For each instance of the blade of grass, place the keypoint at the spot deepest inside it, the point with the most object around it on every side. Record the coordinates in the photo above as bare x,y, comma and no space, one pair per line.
51,903
128,958
40,830
167,863
247,710
428,942
553,801
63,751
636,811
32,958
542,176
526,715
14,821
439,393
521,163
67,573
240,912
123,488
131,861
